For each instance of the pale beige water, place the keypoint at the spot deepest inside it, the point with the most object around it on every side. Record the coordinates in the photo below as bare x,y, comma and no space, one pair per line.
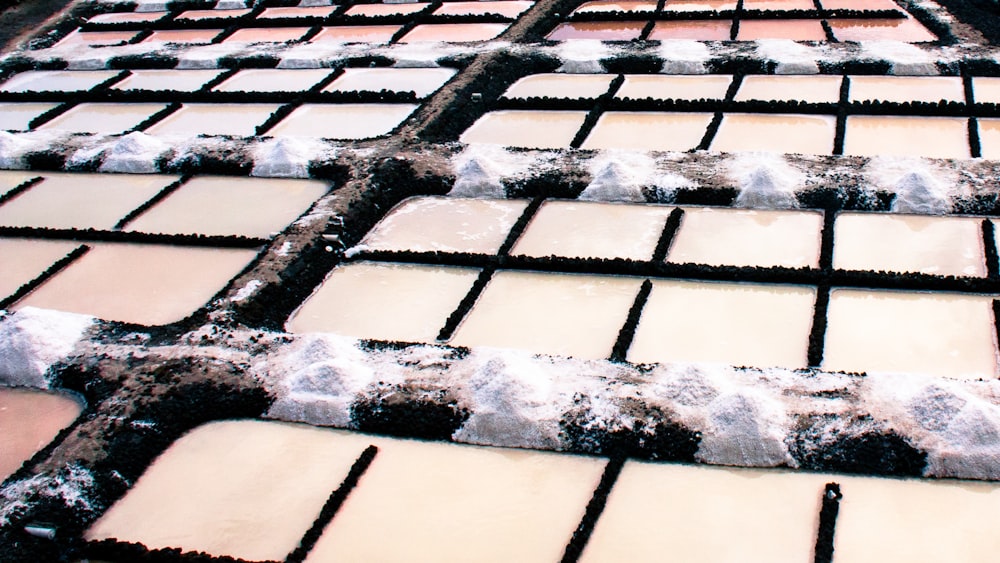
182,36
10,179
906,30
421,81
699,30
508,8
140,283
641,130
945,246
29,420
816,89
593,230
558,314
796,30
740,324
540,129
95,38
744,237
986,89
240,488
710,514
989,137
197,15
446,502
342,121
454,32
121,17
267,35
106,118
446,224
699,6
25,259
860,5
296,12
782,133
556,85
942,334
933,137
273,80
901,89
221,205
768,5
80,201
604,31
56,80
611,6
372,10
356,34
179,80
678,87
16,116
920,521
214,119
384,301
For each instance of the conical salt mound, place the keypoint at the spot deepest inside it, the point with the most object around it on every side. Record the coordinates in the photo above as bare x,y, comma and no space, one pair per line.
916,193
135,153
475,178
281,158
761,191
613,182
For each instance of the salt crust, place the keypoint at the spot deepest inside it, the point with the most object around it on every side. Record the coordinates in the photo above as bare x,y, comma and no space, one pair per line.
71,484
765,181
626,176
791,57
32,340
684,56
287,157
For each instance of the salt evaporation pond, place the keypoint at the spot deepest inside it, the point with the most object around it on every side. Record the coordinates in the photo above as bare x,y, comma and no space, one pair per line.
986,89
944,334
989,138
10,179
277,12
239,120
185,36
739,324
901,89
56,80
421,81
540,129
454,32
603,31
17,116
907,30
607,6
698,30
177,80
773,5
356,34
127,17
25,259
677,87
804,88
267,35
745,237
106,118
273,80
96,38
563,86
374,10
342,121
199,15
384,301
795,30
783,133
894,135
558,314
508,9
699,6
593,230
641,130
29,420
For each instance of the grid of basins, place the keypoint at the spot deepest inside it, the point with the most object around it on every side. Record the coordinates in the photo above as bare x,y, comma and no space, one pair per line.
836,290
350,22
857,115
144,249
742,20
337,103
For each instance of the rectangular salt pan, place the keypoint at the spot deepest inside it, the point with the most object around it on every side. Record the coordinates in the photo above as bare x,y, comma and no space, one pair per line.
640,130
375,10
944,334
198,15
699,6
454,32
214,119
296,12
611,6
593,230
446,224
907,30
267,35
96,38
140,283
677,87
900,89
601,31
29,420
505,8
730,323
177,80
25,259
540,129
57,80
10,179
698,30
795,30
106,118
342,121
986,89
567,315
273,80
123,17
356,34
989,137
421,81
81,201
384,301
805,88
781,133
252,207
17,116
893,135
555,85
183,36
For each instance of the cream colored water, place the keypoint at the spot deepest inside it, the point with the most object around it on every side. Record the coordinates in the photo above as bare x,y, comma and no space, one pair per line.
526,128
252,207
16,116
56,80
25,259
557,314
197,15
933,137
989,138
907,29
744,237
555,85
709,514
144,284
737,324
593,230
510,9
640,130
603,31
699,30
768,5
356,33
342,121
214,119
944,246
297,12
806,88
781,133
244,489
454,32
942,334
446,224
609,6
273,80
266,35
182,36
10,179
372,10
29,420
930,89
678,87
795,30
446,502
80,201
119,17
986,89
699,6
421,81
384,301
103,118
180,80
